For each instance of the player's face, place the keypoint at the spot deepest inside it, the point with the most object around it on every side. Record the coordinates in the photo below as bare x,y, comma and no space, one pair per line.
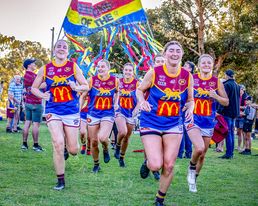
159,61
173,55
61,50
102,69
206,65
128,72
187,67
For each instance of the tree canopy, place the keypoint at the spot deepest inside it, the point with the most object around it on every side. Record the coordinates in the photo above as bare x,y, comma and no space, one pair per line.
12,54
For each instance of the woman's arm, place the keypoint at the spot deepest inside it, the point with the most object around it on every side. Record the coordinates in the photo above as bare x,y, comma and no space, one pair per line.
143,87
83,85
222,96
36,85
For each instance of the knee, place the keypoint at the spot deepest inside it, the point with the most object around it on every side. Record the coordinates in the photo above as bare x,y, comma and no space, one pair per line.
58,146
199,150
168,168
73,150
122,133
154,166
102,137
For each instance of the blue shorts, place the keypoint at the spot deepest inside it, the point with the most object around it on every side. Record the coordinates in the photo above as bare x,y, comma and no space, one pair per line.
240,122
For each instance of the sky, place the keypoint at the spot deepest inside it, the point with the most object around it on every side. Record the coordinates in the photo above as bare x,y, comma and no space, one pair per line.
33,19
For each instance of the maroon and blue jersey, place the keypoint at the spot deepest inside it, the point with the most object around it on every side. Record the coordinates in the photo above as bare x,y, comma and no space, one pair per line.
205,107
167,97
127,97
84,109
101,96
63,100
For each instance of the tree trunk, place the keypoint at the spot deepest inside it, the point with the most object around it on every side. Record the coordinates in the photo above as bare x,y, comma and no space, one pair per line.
200,8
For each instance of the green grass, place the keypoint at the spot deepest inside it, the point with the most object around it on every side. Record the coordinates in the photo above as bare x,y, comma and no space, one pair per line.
27,178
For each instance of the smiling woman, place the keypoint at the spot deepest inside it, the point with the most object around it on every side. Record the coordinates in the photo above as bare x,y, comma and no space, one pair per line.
60,76
170,88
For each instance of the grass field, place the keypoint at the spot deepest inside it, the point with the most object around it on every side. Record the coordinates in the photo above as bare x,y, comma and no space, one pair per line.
27,178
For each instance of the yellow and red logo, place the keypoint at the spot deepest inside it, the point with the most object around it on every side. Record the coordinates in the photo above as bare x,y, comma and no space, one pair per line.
103,103
167,108
62,93
126,102
202,107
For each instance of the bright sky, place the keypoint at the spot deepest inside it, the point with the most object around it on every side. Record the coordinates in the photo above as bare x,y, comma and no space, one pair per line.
33,19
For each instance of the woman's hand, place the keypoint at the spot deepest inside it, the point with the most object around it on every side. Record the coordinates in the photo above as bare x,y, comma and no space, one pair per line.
46,96
145,106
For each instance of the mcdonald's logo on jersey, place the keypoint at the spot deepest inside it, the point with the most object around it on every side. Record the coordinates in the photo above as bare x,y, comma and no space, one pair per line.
62,93
167,108
103,103
202,107
126,102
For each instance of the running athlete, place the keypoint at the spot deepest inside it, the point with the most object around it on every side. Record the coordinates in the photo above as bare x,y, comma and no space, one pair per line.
83,126
159,60
126,110
62,106
161,123
208,90
102,94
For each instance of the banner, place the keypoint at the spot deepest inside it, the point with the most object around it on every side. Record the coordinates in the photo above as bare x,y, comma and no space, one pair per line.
84,17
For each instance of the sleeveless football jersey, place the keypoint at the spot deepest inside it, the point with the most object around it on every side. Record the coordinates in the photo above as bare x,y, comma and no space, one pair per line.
63,100
101,96
205,107
127,97
167,97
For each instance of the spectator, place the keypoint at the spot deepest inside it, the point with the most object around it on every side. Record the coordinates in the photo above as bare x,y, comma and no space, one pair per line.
240,118
33,107
10,110
231,111
249,116
16,87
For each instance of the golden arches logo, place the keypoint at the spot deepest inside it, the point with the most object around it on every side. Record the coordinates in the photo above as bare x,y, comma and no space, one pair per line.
62,94
202,107
168,108
126,102
103,103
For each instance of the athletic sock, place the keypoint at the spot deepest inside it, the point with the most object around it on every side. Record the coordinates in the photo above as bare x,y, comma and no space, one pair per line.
160,196
61,178
192,166
36,144
122,156
118,146
96,162
25,144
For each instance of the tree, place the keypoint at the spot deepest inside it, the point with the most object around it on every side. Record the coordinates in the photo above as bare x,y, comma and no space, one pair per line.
12,54
226,29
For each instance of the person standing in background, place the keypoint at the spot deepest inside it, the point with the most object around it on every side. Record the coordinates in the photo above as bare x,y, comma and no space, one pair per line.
16,87
33,107
230,112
